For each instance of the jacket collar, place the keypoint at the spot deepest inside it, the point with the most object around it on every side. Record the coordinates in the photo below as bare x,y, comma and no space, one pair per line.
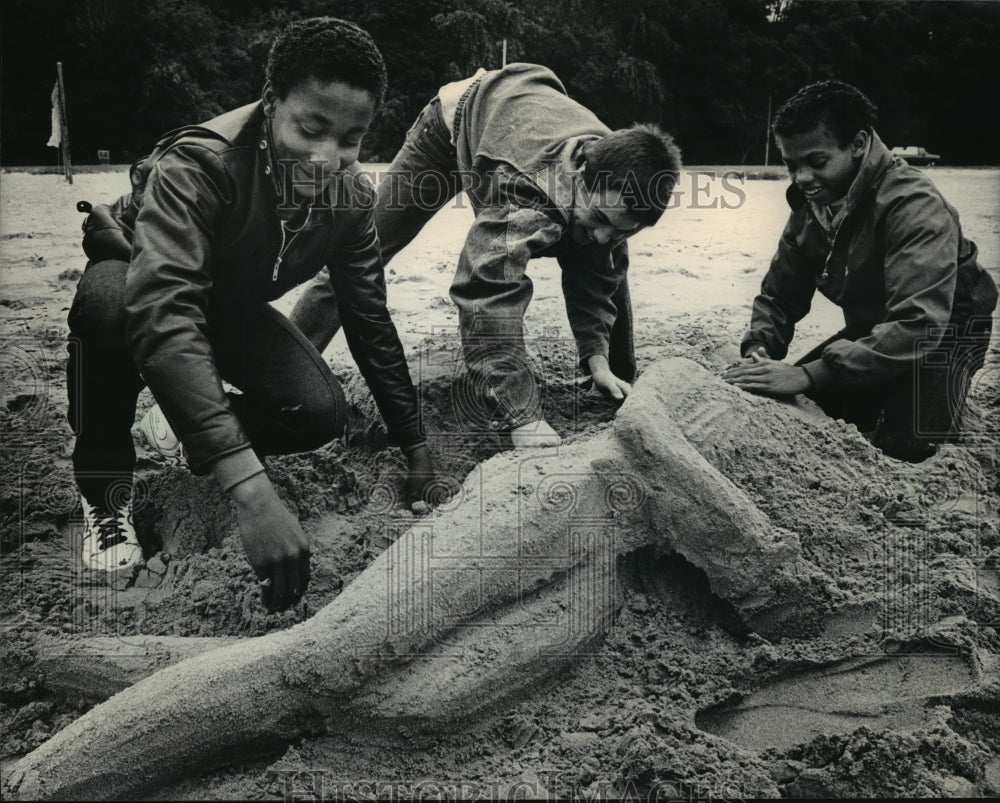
249,126
272,170
874,166
559,178
271,166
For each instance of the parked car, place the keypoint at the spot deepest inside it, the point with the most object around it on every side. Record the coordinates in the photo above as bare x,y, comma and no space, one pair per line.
919,157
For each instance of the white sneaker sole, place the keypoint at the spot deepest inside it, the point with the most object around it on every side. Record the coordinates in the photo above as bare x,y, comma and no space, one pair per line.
115,559
160,438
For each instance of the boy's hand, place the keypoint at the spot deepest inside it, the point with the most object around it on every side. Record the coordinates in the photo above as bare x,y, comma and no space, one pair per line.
420,478
276,546
769,377
605,381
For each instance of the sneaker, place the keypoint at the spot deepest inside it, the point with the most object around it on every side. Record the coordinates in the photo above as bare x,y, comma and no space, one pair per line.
161,438
109,541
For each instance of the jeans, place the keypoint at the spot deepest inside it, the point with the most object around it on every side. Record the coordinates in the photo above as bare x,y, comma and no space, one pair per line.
422,178
290,400
420,181
911,413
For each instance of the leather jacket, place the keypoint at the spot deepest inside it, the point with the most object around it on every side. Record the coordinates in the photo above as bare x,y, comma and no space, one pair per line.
205,232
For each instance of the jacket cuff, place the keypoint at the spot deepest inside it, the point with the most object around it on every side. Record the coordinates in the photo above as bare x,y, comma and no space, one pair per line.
821,374
410,448
234,468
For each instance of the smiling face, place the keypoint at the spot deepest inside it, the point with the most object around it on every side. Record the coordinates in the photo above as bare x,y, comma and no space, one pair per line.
819,165
601,218
318,127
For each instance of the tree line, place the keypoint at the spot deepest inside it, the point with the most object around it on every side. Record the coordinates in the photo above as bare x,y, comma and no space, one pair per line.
706,70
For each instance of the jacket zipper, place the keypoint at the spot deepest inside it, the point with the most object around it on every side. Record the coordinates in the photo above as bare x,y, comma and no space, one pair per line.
281,253
831,242
286,244
822,277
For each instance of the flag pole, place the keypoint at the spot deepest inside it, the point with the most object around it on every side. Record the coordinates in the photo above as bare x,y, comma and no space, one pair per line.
64,126
767,133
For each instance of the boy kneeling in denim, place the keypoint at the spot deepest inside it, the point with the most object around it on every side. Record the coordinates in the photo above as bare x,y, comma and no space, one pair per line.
546,179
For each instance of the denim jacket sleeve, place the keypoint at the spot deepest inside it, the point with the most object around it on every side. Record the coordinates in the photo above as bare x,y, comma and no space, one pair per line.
590,277
167,298
491,283
784,299
358,281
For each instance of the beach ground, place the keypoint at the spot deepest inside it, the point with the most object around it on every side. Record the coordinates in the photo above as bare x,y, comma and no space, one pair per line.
671,700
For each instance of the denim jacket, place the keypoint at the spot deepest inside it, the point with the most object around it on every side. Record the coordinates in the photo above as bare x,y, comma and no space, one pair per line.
521,136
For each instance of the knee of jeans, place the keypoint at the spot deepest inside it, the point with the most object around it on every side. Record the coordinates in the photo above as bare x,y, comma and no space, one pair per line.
319,420
909,448
98,309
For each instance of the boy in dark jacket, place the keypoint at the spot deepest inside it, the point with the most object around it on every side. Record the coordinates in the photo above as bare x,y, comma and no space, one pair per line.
546,178
223,218
876,237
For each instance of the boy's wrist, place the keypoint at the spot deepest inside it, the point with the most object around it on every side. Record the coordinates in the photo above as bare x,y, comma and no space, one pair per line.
232,469
598,363
255,490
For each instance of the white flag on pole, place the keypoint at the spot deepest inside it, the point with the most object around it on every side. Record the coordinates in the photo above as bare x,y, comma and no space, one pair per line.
55,138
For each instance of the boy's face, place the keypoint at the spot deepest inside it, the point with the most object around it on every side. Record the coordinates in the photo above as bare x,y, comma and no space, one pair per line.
818,165
601,217
319,126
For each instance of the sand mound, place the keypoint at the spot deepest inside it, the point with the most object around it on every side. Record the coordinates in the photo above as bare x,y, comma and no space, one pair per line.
700,519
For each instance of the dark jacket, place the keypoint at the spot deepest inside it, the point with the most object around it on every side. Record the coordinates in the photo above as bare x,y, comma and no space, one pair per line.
898,266
204,232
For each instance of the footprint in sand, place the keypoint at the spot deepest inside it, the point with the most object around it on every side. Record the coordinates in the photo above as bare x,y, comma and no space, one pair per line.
877,691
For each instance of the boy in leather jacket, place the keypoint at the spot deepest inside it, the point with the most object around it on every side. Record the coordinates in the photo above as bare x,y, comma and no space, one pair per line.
223,218
875,237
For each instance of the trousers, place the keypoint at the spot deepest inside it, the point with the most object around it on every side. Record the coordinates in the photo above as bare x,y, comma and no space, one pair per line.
913,412
289,400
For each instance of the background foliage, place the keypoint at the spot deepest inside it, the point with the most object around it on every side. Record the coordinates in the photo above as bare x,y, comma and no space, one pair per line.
704,69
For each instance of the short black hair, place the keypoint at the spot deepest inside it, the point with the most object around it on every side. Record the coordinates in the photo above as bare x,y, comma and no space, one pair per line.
328,49
842,108
642,161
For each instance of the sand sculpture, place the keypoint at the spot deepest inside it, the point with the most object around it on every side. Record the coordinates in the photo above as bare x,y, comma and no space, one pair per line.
474,606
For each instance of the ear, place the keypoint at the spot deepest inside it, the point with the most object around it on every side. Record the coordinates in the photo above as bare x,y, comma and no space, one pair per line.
269,99
859,143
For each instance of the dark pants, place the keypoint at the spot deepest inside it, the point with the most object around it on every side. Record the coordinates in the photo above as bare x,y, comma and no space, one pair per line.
290,400
913,412
422,178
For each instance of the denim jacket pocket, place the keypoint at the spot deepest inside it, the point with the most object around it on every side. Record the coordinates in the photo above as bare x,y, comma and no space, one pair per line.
429,123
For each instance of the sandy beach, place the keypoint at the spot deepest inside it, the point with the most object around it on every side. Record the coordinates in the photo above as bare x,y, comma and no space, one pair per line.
896,695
